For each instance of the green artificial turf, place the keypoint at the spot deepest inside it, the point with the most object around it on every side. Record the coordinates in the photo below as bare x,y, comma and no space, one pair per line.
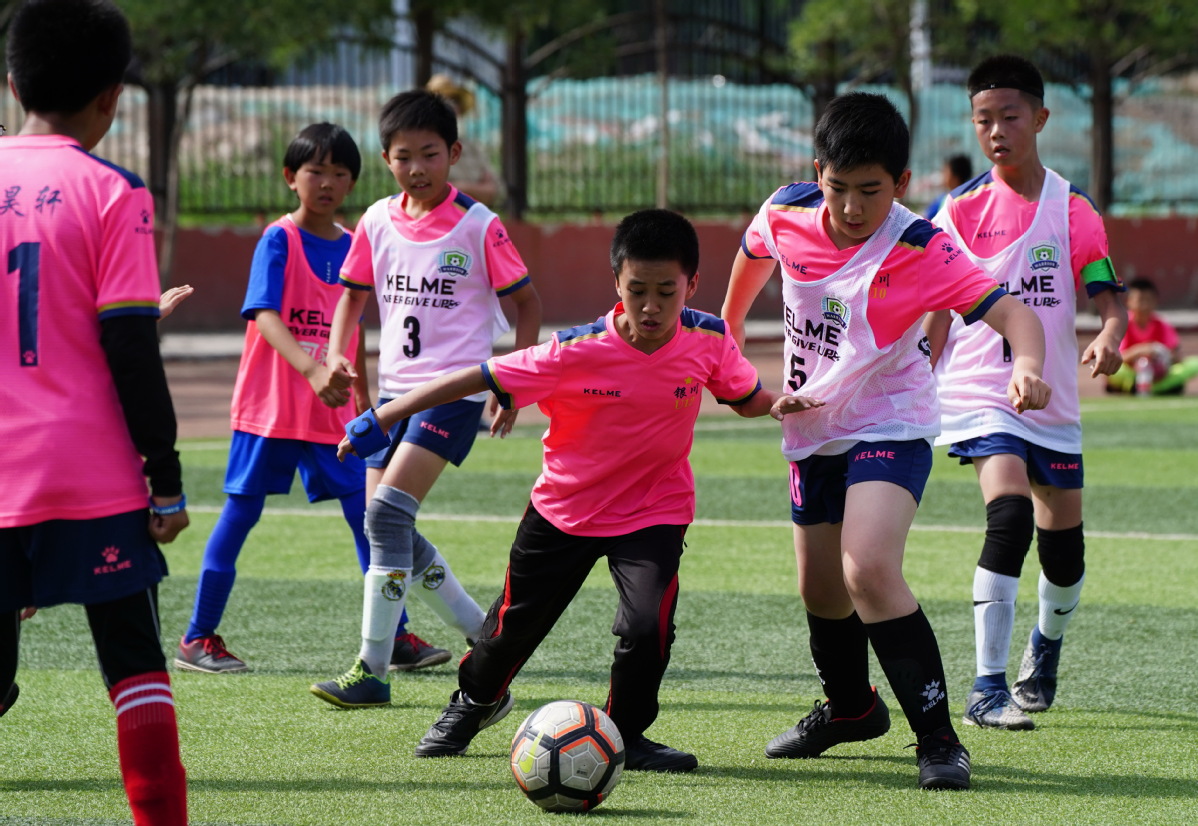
1120,746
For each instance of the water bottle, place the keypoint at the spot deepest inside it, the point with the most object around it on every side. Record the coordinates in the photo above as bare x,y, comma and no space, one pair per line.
1143,376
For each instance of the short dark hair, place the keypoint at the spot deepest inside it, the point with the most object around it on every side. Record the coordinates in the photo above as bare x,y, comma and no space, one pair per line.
318,140
417,109
63,53
1007,71
655,235
1143,284
961,167
859,129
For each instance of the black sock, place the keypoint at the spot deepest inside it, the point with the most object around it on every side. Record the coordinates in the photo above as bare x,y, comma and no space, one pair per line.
908,653
840,651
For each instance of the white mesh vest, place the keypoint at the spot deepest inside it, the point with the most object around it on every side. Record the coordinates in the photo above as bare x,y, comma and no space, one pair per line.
873,394
437,308
973,373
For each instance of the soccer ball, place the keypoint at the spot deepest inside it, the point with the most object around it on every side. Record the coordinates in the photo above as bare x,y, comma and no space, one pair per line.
567,756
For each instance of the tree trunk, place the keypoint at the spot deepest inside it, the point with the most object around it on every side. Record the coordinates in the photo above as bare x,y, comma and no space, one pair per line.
1102,139
162,117
515,124
424,24
825,85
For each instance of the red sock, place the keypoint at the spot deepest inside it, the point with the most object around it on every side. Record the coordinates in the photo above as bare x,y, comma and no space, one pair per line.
148,741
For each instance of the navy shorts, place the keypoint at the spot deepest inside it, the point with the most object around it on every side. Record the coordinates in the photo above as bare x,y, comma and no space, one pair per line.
1044,466
262,465
448,430
85,561
818,484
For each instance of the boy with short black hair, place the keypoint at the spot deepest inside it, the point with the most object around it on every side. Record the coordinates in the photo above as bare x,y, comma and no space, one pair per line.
633,378
87,417
439,262
1032,230
858,272
1151,349
288,410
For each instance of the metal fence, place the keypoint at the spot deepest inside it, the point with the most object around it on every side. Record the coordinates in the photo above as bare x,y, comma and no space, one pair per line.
716,132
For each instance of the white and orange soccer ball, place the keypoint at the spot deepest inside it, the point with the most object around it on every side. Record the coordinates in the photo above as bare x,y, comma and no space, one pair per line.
567,756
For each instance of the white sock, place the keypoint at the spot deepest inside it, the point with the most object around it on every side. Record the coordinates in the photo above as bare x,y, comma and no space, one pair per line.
993,619
440,590
382,603
1057,606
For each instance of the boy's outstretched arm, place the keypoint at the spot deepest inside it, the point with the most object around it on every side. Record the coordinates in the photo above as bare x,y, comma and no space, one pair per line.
1103,351
749,276
775,404
1014,321
528,330
441,390
935,327
277,335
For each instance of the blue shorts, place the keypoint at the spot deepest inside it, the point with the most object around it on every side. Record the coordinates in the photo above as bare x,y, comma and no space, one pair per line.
261,465
818,484
1044,466
448,430
85,561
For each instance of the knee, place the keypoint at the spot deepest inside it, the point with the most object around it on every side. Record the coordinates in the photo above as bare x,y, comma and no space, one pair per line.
1062,555
1010,521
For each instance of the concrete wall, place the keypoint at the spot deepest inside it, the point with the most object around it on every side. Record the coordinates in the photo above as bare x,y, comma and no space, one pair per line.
569,264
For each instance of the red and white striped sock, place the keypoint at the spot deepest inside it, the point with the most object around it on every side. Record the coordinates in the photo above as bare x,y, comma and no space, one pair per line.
148,742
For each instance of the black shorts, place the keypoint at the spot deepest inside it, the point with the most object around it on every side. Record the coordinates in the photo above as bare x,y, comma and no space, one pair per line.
84,561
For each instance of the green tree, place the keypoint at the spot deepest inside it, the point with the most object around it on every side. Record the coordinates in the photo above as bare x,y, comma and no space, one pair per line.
1117,38
179,43
854,42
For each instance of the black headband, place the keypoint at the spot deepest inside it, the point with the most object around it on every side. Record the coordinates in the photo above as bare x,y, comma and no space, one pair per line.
1035,90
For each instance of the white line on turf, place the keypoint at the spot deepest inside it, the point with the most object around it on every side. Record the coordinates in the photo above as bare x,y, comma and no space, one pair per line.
706,523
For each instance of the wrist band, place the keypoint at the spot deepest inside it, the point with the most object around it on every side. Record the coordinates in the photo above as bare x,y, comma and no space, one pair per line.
366,434
167,510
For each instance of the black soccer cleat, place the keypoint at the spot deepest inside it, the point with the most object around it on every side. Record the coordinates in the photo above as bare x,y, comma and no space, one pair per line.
647,756
819,730
459,722
1036,686
943,762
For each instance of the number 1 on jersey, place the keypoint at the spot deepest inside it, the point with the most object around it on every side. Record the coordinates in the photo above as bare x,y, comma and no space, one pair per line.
23,259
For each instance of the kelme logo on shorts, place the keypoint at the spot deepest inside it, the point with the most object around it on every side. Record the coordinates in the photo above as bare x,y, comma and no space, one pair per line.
455,262
836,310
1044,257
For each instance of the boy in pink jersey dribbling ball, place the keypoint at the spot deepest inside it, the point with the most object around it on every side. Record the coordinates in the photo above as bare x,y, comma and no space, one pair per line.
622,395
858,273
88,419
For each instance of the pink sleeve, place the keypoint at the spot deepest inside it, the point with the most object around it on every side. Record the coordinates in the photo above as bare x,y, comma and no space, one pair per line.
128,265
524,377
751,242
735,379
358,268
956,283
504,263
1087,235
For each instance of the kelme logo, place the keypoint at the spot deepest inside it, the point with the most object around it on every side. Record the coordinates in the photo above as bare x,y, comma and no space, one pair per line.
1044,257
455,262
836,310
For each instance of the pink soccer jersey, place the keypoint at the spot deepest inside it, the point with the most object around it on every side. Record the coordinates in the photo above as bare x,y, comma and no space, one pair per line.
919,274
998,216
1157,330
621,421
77,233
271,398
437,281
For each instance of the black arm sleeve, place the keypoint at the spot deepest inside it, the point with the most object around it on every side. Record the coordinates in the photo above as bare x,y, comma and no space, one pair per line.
131,345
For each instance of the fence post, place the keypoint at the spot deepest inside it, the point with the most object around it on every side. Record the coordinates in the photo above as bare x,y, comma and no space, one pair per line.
514,148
